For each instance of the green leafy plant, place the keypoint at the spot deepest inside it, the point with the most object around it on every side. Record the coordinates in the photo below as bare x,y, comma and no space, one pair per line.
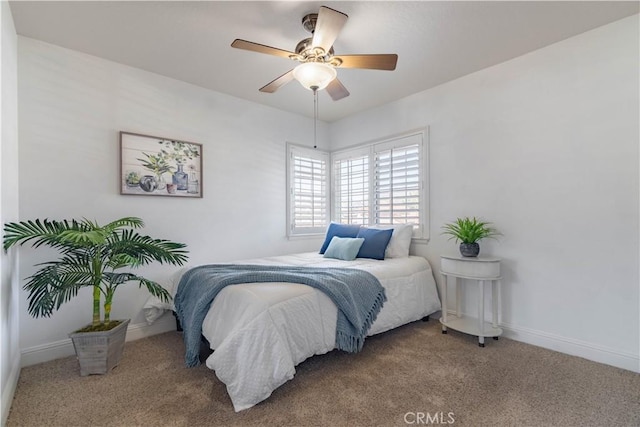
156,163
469,230
178,151
91,256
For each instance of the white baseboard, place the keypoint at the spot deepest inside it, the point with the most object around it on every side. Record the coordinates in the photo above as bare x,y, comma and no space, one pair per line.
10,390
64,348
573,347
590,351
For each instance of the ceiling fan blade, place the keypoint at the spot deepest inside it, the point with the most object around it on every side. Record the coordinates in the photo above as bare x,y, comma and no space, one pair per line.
328,26
373,62
278,82
337,90
261,48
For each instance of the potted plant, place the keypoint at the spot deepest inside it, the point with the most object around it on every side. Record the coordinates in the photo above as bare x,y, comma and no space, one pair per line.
91,256
132,179
469,231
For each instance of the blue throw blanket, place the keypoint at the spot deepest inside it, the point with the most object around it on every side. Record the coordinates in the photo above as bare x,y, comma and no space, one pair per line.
358,295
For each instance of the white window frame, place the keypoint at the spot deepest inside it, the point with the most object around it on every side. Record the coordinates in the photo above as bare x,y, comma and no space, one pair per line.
320,229
421,232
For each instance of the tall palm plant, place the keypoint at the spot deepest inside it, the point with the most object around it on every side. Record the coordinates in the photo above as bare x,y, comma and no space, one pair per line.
91,256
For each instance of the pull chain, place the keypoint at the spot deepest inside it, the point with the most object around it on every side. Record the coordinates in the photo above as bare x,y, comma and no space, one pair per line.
315,116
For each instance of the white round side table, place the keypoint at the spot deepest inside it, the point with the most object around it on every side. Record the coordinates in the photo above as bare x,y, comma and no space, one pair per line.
478,270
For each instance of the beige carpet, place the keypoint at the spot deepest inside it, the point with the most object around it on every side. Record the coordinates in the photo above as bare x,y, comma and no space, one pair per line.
401,378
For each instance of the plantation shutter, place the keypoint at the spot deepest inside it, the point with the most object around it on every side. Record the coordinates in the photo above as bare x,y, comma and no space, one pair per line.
383,183
351,190
397,183
308,191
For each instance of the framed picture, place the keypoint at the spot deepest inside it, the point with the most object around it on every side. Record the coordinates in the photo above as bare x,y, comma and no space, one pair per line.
156,166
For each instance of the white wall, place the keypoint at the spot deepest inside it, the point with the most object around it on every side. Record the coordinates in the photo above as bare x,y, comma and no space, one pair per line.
71,108
546,147
9,287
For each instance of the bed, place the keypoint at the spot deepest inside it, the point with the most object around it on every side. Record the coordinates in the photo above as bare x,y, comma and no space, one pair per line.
259,332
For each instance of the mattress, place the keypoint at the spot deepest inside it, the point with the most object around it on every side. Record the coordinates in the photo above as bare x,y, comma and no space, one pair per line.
261,331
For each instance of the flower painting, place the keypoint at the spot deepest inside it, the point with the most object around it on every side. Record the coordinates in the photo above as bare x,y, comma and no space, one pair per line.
156,166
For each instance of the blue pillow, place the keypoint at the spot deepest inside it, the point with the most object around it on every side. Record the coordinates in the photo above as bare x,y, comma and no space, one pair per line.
375,242
344,248
339,230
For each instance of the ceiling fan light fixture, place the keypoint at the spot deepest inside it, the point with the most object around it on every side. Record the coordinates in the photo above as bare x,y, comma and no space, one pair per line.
314,75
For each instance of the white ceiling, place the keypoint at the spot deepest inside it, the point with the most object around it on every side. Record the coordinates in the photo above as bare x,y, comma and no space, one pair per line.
190,41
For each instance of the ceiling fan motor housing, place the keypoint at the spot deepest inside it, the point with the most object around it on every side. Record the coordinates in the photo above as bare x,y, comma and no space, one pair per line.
304,49
309,22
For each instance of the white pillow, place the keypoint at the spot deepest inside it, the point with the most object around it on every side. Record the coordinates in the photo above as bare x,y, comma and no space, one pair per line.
400,240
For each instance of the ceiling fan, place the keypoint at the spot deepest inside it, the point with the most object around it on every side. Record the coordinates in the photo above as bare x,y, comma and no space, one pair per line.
318,62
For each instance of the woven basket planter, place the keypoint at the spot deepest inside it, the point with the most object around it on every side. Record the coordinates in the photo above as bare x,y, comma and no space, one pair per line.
99,352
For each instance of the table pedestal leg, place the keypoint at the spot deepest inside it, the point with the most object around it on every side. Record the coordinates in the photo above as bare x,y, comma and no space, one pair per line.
481,313
458,297
444,302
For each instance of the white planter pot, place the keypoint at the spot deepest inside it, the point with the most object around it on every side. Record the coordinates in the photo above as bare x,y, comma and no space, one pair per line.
99,352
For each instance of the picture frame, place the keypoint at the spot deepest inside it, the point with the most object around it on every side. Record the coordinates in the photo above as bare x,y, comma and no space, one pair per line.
158,166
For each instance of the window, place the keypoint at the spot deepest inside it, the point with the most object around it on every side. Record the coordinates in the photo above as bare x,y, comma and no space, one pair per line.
382,183
308,196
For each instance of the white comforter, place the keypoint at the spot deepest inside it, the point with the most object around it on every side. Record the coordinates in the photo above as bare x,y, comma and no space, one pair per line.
261,331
